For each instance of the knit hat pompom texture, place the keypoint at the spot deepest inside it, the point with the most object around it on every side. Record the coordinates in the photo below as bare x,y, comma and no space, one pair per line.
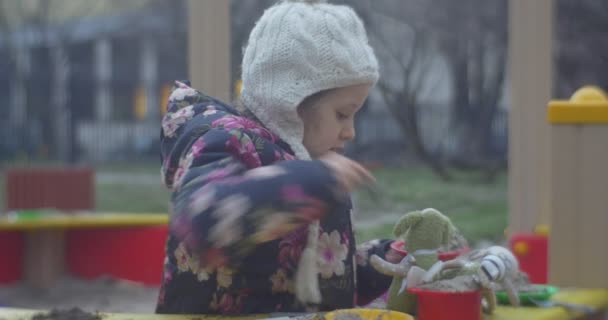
297,49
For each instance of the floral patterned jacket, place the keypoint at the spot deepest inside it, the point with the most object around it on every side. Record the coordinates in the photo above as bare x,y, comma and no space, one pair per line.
240,207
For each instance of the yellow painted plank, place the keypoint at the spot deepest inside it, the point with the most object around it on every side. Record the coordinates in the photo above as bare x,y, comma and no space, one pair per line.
525,313
589,114
588,297
597,298
588,105
87,220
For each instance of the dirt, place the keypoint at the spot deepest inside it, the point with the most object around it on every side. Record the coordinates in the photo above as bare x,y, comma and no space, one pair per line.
71,314
456,284
104,295
521,282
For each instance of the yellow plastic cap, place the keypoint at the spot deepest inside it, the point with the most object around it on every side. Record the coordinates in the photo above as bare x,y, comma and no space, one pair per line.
521,248
589,94
542,230
588,105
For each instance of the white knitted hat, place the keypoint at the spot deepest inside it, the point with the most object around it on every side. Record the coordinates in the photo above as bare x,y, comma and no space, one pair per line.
297,49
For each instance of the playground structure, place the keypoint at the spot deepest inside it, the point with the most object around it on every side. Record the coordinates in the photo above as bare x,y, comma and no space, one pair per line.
554,166
579,214
578,133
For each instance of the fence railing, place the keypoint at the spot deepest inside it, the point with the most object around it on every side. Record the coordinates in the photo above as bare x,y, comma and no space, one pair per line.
377,136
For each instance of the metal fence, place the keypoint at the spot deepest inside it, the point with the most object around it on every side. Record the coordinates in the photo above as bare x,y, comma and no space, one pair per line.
379,138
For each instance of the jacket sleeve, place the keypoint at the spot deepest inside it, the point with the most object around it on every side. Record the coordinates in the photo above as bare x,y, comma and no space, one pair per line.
370,283
223,210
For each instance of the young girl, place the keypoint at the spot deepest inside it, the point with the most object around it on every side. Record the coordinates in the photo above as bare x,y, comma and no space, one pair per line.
260,212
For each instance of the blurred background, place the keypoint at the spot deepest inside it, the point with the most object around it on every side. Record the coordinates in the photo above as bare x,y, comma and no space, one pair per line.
84,83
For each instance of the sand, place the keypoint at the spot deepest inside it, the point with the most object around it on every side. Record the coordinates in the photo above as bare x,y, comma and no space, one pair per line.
466,283
456,284
103,295
71,314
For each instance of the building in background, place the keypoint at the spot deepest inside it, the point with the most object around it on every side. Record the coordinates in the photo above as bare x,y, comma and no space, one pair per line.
85,81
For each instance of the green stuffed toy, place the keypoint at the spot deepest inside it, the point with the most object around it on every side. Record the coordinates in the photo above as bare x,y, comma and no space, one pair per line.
424,233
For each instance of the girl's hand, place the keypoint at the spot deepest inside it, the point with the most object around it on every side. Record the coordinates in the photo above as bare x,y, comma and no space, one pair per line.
349,173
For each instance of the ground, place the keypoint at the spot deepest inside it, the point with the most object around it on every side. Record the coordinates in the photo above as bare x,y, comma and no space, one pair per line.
104,294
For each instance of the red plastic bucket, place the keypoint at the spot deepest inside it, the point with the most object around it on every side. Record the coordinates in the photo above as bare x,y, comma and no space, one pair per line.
133,253
11,256
445,256
441,305
398,246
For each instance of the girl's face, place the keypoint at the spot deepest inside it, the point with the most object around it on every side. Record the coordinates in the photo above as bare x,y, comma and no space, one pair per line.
329,118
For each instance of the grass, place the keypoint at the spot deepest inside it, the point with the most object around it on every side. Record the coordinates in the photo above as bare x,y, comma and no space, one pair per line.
124,194
150,197
129,198
478,209
490,227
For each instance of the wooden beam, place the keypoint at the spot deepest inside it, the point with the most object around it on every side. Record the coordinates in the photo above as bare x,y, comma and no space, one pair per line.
209,47
531,74
44,258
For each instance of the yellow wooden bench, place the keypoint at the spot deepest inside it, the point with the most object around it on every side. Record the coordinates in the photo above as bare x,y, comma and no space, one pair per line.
44,249
596,298
82,220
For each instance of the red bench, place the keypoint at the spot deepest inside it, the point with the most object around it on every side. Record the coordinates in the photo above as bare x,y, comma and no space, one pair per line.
39,247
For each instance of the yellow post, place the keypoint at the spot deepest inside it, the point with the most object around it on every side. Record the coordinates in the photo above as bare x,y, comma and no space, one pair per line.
579,191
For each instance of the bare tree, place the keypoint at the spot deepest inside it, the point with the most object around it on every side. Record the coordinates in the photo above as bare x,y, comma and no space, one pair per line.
406,54
470,37
582,51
